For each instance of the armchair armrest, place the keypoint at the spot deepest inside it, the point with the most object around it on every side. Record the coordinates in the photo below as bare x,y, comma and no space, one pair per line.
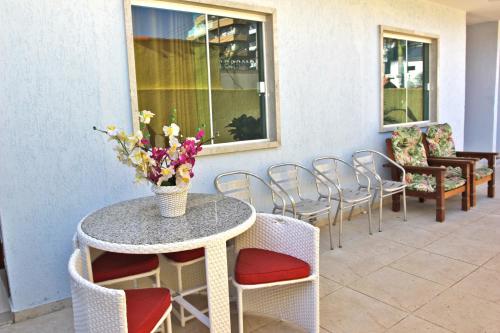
489,156
476,154
433,161
430,170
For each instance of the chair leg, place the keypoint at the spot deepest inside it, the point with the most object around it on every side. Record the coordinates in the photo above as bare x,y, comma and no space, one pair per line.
350,213
375,193
380,209
336,214
473,196
157,278
396,203
465,201
180,289
368,204
169,323
491,187
405,217
135,284
421,199
240,310
330,228
340,228
440,208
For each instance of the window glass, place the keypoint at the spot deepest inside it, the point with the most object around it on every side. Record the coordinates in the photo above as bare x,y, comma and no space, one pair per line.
406,77
200,81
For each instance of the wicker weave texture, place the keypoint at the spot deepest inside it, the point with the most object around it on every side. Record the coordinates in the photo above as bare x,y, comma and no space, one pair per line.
171,200
95,309
297,302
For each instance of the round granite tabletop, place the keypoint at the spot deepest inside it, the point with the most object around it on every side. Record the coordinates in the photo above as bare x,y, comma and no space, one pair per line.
137,223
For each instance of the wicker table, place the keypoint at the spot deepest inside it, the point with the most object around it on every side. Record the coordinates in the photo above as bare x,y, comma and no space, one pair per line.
136,226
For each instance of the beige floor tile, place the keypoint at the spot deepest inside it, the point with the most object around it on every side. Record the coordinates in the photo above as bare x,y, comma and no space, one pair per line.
462,313
279,327
493,263
399,289
434,267
483,283
471,251
414,237
55,322
347,311
486,230
361,258
327,286
413,324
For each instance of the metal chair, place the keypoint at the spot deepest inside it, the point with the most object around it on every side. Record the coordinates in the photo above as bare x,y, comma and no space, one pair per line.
237,184
286,178
364,163
329,169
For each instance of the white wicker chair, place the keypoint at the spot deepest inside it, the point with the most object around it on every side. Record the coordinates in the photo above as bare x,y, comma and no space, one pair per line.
296,301
132,277
98,309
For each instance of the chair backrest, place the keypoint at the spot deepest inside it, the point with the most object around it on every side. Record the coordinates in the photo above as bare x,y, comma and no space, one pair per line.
95,309
286,176
285,235
327,166
407,146
237,184
439,141
363,161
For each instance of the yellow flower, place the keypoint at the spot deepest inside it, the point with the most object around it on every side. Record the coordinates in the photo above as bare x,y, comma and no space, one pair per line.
122,136
183,173
166,174
139,157
145,116
172,130
112,130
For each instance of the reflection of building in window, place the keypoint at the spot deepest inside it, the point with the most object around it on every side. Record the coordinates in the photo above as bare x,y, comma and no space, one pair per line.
210,79
406,78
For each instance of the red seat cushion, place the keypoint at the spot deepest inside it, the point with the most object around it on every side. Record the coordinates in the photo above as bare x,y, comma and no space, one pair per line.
255,266
112,265
185,256
145,307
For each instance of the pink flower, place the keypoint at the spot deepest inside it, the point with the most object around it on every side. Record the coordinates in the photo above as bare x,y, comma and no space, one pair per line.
200,134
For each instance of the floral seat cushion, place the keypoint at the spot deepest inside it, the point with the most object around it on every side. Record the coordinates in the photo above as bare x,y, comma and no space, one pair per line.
440,140
408,147
482,172
441,144
427,183
409,150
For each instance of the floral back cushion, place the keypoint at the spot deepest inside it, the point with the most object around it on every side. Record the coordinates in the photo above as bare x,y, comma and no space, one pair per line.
408,147
440,141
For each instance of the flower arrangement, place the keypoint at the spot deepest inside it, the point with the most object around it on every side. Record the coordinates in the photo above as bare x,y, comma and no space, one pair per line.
162,166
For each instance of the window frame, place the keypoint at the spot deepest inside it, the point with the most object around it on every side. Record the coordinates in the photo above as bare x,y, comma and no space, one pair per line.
222,8
411,35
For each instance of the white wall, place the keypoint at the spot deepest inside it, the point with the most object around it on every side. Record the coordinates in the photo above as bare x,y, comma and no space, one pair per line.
64,69
481,106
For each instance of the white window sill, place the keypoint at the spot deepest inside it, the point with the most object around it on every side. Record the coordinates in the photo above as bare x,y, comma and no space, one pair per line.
233,147
390,128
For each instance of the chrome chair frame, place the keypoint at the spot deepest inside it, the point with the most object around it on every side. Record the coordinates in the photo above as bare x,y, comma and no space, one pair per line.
366,165
237,188
299,207
335,183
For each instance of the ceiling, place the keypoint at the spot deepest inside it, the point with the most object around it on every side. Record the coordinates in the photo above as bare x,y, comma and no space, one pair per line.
478,11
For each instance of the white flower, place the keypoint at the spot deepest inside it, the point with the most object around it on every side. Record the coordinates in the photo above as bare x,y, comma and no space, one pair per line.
112,130
145,116
183,175
166,174
172,130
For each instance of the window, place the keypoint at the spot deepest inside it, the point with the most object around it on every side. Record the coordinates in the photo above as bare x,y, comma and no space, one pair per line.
204,68
408,79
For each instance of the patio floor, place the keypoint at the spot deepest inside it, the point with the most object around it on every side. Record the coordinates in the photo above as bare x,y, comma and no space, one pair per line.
418,276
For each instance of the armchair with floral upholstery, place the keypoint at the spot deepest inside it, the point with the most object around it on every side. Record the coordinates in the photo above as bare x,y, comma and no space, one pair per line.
427,177
439,143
